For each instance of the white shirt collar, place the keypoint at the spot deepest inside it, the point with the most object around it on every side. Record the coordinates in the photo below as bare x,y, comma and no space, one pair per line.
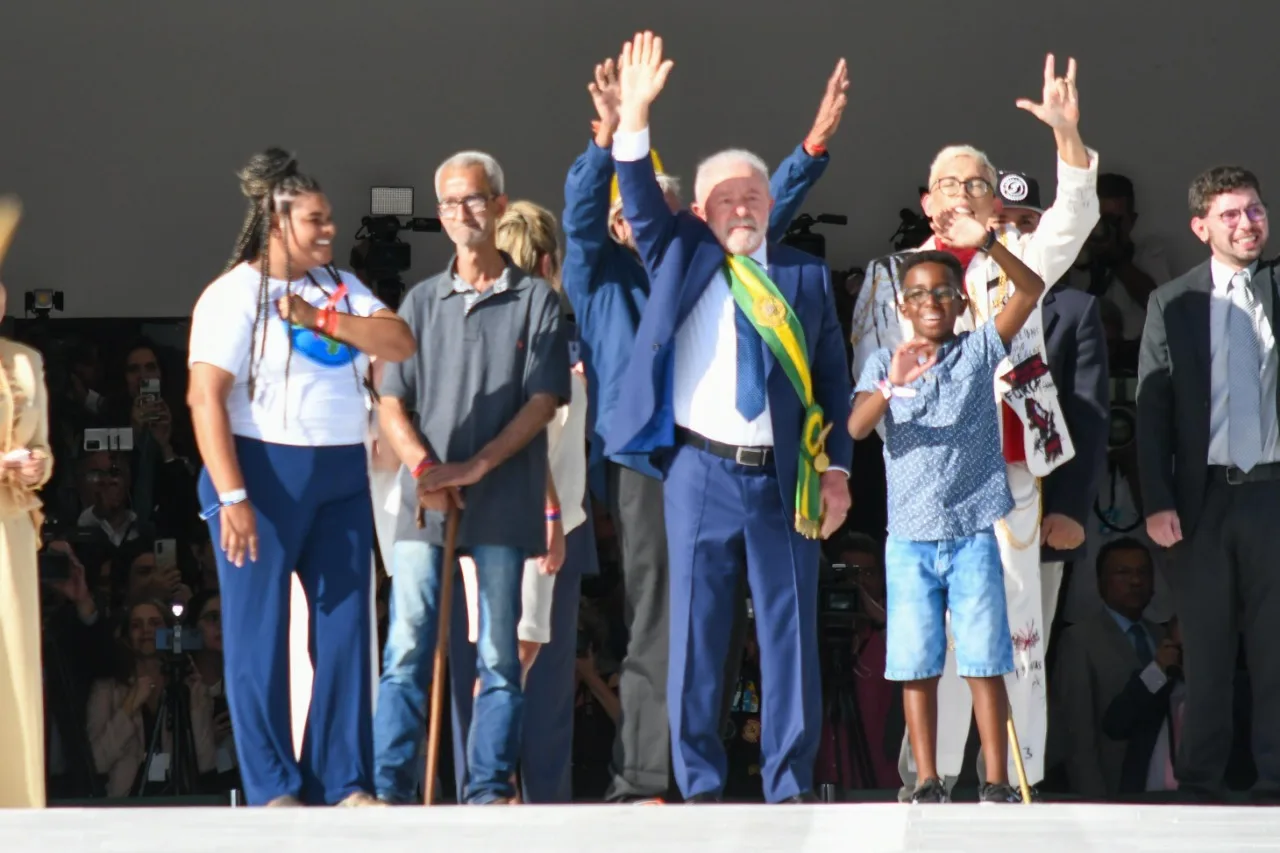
1222,275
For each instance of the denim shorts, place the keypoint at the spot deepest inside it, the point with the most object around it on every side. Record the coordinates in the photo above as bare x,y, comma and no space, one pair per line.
924,580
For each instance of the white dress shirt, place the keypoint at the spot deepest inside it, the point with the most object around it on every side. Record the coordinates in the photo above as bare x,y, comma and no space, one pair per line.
1262,311
704,397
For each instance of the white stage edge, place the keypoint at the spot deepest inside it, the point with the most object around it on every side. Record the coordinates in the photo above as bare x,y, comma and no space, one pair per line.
870,828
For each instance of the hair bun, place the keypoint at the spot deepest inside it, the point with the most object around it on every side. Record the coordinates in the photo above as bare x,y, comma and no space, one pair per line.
265,170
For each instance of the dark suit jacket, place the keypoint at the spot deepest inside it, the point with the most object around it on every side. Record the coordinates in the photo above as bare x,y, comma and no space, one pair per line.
682,256
1173,392
1076,346
1137,716
1095,663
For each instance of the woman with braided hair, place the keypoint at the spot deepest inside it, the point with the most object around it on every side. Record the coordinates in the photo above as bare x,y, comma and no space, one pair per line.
279,345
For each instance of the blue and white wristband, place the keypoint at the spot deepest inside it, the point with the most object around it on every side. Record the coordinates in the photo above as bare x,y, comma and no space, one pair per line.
225,499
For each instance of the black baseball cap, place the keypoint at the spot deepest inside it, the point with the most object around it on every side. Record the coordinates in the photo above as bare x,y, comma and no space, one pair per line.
1020,190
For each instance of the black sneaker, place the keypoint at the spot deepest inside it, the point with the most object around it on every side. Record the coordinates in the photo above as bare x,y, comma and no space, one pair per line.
930,791
997,793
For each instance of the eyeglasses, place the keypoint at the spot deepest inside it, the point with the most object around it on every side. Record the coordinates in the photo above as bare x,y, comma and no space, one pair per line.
97,475
474,203
1255,212
973,188
942,295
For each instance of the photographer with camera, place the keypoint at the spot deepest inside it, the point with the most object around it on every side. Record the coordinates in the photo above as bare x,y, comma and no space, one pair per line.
124,711
164,482
1113,265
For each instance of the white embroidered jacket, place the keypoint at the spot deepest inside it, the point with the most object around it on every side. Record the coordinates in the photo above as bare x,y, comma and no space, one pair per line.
1050,251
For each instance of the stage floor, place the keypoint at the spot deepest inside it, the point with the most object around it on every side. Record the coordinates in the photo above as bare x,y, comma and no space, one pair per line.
868,828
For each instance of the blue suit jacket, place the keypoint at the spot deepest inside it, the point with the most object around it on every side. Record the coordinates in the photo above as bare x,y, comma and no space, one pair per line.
682,256
609,288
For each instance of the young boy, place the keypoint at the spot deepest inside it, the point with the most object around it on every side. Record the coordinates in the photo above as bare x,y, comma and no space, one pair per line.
947,488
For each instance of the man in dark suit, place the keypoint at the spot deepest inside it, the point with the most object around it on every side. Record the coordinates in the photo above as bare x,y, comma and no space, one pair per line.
1209,464
1114,680
737,373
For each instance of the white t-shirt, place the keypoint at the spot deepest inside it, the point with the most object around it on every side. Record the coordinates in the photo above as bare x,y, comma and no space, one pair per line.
323,401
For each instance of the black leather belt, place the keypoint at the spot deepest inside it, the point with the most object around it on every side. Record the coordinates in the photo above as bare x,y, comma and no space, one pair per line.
752,457
1233,476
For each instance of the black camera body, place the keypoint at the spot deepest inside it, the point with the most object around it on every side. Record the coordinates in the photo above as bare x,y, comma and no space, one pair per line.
178,640
839,602
1124,411
383,257
800,234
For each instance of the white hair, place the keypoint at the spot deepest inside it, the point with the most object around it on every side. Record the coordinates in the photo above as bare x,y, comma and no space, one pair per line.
718,161
669,184
946,155
492,171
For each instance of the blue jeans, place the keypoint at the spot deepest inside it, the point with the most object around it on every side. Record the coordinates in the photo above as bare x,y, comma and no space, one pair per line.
493,744
925,580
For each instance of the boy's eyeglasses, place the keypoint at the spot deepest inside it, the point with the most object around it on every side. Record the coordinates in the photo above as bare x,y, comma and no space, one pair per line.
941,295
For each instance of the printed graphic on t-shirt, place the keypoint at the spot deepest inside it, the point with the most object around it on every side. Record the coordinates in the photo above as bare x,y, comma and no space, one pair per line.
318,348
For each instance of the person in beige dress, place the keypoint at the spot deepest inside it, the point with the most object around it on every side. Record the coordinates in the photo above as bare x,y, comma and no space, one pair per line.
25,466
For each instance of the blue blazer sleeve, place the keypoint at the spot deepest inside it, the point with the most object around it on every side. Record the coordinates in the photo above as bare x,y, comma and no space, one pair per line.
585,220
1070,489
795,176
831,385
653,225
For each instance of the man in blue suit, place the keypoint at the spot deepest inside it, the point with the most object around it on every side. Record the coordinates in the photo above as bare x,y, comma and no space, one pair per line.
737,373
608,287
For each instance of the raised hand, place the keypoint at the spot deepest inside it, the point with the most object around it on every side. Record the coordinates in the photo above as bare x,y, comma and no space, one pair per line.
642,72
606,94
831,110
959,229
910,361
1060,107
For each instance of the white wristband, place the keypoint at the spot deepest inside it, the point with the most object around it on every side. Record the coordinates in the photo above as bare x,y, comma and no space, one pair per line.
234,496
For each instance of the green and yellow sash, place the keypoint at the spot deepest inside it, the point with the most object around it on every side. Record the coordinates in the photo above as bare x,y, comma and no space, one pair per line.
773,318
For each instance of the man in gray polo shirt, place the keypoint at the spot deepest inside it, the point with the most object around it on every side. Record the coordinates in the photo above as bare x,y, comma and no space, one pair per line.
493,366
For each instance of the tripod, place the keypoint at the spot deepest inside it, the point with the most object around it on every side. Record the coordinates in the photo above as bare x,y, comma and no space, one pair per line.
840,706
172,715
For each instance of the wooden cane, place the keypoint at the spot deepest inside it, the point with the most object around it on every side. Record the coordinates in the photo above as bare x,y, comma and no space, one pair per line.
442,649
1017,760
10,214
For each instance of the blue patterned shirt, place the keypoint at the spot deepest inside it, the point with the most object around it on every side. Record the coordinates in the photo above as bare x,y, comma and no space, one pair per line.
942,457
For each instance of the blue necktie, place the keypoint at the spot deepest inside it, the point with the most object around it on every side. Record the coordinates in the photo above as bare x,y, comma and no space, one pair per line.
750,397
1244,380
1140,644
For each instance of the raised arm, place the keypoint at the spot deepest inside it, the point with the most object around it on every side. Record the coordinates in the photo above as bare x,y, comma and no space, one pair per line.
799,172
586,191
963,231
642,74
1066,225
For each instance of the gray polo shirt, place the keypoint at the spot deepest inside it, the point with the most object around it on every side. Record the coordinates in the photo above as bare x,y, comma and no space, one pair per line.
480,358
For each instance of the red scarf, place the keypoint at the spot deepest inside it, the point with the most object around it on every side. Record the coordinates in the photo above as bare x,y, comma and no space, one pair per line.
1015,449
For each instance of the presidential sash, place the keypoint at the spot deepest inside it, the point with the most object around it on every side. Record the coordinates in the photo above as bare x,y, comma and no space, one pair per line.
773,318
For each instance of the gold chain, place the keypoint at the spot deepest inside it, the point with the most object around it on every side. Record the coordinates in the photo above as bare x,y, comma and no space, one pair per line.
1018,544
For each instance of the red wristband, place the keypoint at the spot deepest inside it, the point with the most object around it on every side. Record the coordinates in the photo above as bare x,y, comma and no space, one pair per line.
327,321
422,466
813,149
